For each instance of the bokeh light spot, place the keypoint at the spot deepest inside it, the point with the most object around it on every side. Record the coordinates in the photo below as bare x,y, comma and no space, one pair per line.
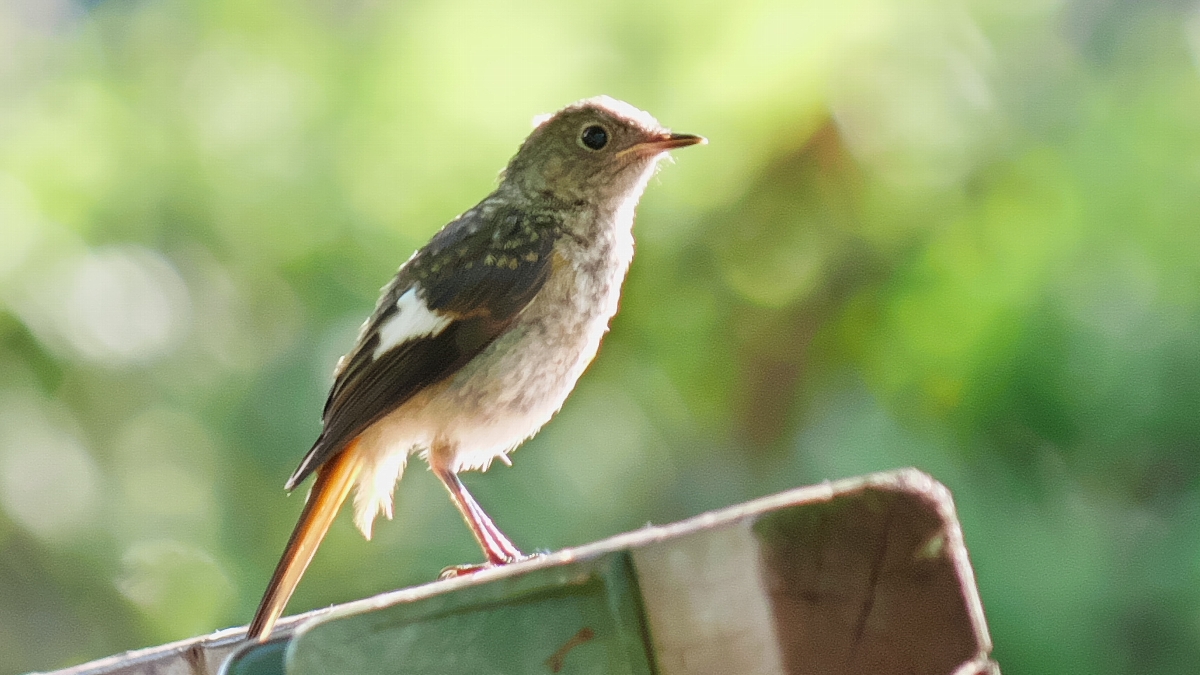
123,305
19,224
48,480
920,111
179,586
115,306
164,462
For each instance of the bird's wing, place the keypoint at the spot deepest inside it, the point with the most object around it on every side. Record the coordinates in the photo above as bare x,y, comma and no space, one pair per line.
445,305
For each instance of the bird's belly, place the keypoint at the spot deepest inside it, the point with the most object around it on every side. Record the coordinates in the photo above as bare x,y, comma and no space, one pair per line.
506,393
500,398
512,389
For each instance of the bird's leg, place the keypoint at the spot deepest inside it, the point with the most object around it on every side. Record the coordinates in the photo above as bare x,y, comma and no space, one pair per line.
498,549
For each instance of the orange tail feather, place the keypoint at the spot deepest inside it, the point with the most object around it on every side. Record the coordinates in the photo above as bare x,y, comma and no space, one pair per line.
334,481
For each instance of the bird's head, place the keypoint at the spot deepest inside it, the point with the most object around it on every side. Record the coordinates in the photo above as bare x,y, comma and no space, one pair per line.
594,151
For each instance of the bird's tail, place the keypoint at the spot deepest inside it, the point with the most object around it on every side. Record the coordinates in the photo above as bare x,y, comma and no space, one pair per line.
335,478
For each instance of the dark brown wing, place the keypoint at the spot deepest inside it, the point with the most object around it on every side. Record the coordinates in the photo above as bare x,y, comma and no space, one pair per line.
476,274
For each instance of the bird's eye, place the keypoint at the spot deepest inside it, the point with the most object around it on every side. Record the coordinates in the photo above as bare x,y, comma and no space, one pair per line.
594,137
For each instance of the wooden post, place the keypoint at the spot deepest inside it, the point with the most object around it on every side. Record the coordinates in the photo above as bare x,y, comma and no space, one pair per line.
864,575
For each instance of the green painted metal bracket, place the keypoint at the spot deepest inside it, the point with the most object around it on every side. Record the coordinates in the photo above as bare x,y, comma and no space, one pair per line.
862,575
578,618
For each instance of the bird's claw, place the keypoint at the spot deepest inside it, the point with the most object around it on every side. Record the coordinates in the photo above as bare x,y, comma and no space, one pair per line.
455,571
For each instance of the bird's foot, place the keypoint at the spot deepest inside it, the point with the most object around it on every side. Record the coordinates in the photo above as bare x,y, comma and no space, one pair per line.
455,571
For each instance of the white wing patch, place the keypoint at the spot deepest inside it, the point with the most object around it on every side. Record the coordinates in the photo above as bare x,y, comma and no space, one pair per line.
412,320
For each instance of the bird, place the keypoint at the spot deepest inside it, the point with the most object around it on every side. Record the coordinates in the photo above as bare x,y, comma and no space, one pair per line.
480,336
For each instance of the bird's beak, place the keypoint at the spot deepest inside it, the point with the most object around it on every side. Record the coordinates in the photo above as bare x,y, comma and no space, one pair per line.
663,143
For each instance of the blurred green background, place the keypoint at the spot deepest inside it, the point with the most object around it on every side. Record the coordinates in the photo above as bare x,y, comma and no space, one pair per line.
963,236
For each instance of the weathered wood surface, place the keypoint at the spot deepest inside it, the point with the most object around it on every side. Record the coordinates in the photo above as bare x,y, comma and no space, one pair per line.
864,575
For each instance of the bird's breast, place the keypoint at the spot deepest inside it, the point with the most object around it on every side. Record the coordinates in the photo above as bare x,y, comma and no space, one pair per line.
506,393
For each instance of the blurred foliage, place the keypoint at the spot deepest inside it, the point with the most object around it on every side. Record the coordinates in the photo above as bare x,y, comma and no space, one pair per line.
956,235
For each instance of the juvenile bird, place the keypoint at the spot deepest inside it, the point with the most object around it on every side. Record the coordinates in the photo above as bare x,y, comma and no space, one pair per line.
480,336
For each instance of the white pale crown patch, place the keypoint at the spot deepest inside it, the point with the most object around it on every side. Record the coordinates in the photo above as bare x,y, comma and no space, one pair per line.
412,320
